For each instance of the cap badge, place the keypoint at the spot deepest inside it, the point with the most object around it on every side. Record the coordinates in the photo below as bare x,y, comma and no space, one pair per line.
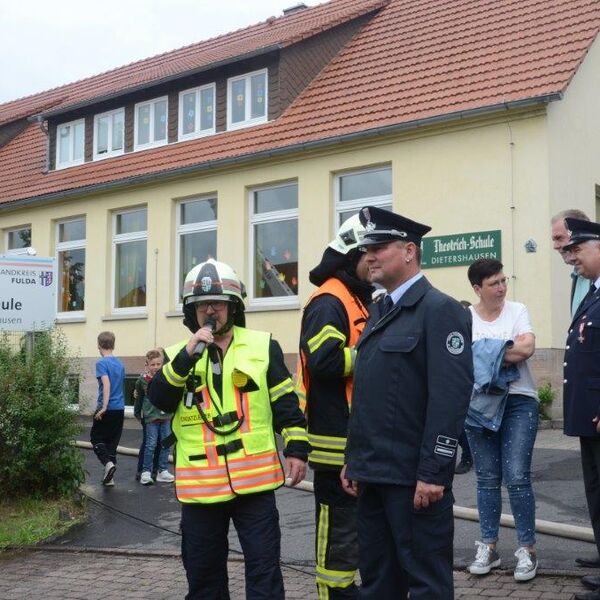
455,343
369,225
206,284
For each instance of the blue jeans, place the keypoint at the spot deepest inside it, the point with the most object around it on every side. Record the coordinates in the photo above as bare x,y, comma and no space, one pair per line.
505,456
156,431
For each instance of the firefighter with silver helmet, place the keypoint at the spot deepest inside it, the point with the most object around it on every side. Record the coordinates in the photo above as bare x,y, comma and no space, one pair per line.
333,319
230,391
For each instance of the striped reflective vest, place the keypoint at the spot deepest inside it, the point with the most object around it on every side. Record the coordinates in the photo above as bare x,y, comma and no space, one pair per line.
228,448
327,449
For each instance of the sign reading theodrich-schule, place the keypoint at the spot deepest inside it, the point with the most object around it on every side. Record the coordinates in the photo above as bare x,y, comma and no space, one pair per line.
27,293
461,248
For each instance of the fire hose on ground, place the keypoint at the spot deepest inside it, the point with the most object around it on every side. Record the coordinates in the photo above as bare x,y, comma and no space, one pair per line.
574,532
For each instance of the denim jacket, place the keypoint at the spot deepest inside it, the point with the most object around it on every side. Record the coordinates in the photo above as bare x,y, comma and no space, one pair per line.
492,380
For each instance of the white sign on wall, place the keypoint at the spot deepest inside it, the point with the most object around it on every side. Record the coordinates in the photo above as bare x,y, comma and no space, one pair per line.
27,293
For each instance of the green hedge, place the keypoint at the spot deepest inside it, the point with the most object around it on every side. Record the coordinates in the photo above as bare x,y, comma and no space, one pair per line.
37,424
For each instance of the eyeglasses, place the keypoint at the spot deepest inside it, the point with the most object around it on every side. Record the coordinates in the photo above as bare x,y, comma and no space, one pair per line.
499,282
216,305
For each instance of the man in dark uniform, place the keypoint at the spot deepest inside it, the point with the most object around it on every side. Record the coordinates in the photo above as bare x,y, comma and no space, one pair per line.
581,391
413,379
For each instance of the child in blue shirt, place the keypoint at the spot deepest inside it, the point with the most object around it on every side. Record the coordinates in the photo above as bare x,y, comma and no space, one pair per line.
110,408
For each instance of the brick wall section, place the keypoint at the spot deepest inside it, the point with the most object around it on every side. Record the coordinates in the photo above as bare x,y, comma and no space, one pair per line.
300,63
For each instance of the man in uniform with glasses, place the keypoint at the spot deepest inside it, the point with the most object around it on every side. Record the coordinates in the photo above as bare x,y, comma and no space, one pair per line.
230,391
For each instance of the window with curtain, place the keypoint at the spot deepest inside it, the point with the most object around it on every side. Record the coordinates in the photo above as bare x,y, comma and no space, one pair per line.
130,235
274,242
70,252
108,134
196,235
70,140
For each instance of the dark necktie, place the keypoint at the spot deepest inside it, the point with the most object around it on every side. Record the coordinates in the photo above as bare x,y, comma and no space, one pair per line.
590,293
388,304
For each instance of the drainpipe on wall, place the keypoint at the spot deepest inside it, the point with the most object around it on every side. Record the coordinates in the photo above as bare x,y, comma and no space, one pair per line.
44,128
155,294
512,212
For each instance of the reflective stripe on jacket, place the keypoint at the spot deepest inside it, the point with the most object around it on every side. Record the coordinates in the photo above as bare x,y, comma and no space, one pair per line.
326,400
215,466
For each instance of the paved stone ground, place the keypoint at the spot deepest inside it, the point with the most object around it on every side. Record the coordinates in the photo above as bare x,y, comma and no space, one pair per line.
51,575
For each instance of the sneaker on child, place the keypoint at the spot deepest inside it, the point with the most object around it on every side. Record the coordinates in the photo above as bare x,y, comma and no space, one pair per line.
146,478
109,471
527,564
165,477
486,559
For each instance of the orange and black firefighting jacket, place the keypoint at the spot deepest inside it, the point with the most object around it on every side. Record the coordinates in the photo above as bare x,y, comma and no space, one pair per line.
332,322
225,417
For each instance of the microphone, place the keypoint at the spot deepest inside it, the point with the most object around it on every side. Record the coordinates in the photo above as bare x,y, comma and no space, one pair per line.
210,324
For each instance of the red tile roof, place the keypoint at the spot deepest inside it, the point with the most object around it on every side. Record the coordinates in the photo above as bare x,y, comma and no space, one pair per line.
283,31
414,60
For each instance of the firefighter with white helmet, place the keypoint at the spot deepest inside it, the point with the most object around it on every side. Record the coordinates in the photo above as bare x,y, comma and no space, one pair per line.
333,318
230,391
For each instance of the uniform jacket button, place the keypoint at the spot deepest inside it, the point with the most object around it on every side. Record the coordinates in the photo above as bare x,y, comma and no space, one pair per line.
564,364
567,347
564,381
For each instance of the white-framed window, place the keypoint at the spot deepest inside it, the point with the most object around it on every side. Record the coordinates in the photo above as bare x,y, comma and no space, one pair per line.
18,240
151,123
129,258
109,128
196,236
70,260
355,189
274,244
247,100
70,143
197,112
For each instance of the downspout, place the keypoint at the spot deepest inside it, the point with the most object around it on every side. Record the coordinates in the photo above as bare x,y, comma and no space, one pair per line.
44,128
512,211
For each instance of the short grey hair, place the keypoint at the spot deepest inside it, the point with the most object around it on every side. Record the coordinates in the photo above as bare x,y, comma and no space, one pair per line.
570,213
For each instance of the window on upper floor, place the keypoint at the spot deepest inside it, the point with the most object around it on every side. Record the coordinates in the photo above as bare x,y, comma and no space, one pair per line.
247,100
197,112
70,253
367,187
274,243
70,141
109,130
151,123
129,242
18,240
196,236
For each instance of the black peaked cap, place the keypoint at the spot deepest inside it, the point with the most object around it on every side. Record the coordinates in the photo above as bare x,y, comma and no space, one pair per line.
382,226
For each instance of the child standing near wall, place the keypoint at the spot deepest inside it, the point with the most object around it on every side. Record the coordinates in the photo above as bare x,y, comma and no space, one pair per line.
110,408
157,424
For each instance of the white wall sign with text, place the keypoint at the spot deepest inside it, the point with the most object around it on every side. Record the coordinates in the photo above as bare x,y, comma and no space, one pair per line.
27,293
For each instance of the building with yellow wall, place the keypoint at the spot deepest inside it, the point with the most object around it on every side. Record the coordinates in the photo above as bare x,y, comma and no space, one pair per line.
253,146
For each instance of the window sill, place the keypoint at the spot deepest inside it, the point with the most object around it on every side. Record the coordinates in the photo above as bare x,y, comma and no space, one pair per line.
70,319
124,317
272,307
174,313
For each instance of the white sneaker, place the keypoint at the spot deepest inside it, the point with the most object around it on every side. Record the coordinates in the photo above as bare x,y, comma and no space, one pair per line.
165,477
486,559
527,565
109,483
146,478
109,471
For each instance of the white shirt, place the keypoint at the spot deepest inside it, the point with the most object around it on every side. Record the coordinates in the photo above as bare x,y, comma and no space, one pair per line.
512,321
